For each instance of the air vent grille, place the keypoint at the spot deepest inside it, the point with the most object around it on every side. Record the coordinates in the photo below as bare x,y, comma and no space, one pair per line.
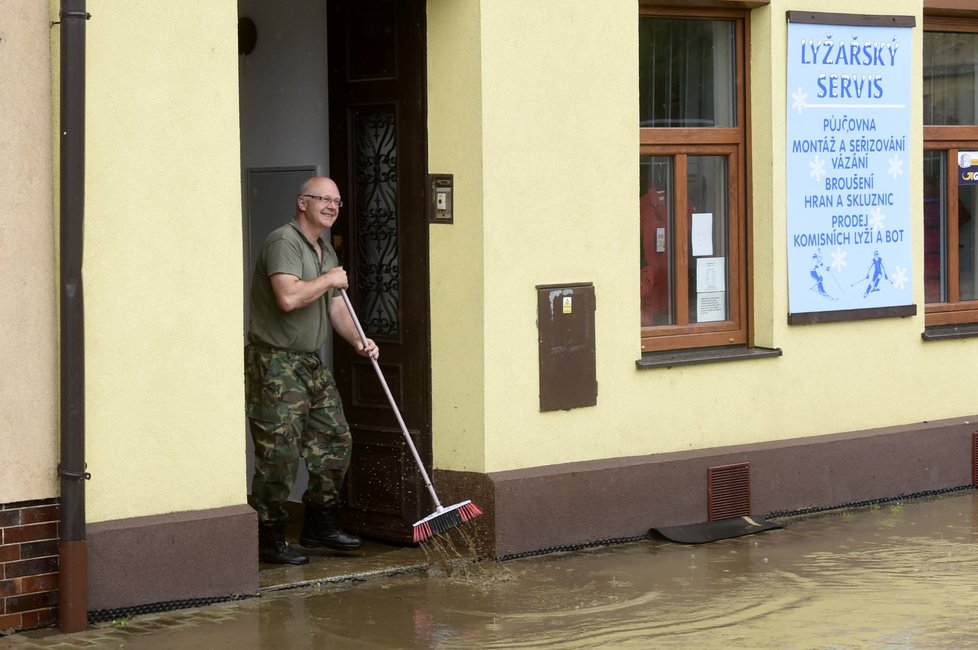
974,458
728,491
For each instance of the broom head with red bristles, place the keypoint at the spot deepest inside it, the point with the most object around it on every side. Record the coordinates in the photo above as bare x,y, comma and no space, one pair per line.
444,518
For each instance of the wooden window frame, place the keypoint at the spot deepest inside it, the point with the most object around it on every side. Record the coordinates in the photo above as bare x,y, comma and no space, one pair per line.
949,140
681,143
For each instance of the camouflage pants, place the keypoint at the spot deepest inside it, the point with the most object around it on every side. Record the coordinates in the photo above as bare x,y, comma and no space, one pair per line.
293,410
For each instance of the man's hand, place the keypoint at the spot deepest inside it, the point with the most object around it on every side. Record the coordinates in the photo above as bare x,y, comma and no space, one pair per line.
336,278
343,324
369,350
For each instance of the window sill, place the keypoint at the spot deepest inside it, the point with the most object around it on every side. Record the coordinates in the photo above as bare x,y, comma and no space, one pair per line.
947,332
671,358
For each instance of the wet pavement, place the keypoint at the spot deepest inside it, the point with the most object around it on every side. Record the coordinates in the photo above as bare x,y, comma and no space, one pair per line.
894,575
371,560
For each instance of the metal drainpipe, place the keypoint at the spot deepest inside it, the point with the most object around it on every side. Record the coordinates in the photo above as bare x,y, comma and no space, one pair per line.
72,548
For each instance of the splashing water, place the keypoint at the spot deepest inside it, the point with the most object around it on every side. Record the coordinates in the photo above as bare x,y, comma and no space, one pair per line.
453,555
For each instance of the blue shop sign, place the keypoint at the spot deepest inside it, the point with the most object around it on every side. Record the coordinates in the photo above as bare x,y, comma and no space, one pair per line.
848,135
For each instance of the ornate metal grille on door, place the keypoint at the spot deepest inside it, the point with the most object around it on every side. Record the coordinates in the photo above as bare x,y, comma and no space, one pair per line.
375,166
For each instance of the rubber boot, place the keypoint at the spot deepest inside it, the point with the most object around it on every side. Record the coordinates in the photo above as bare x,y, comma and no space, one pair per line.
319,528
273,548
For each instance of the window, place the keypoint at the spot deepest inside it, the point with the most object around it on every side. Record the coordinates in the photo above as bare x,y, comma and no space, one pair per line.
950,210
692,166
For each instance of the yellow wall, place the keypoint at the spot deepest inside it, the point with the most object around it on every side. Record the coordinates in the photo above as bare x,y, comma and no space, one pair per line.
163,259
545,161
533,106
561,153
28,273
457,276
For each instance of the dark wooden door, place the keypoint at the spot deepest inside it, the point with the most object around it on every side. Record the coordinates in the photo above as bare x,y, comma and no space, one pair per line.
377,157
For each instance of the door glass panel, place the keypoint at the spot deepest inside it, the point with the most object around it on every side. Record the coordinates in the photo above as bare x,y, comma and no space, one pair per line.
935,233
687,72
375,166
657,240
373,38
949,78
706,184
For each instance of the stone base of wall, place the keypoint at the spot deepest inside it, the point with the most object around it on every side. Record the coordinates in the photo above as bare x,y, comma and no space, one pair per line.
28,564
173,557
546,508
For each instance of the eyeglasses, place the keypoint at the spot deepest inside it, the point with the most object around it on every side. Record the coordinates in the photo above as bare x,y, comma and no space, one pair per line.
328,200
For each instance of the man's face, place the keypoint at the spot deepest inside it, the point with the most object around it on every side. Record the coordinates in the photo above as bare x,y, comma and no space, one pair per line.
320,205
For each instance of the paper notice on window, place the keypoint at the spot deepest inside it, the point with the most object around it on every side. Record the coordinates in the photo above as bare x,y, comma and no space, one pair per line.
711,307
711,274
702,233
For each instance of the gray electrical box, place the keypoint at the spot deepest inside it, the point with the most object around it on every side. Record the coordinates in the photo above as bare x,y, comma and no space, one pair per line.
565,320
441,202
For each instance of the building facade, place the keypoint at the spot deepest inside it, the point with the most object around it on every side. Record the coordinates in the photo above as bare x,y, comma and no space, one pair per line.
623,272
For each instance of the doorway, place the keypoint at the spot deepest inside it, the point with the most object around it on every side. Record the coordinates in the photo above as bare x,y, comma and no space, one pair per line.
338,87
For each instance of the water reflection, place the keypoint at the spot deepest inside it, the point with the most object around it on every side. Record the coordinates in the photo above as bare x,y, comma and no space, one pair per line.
895,576
891,576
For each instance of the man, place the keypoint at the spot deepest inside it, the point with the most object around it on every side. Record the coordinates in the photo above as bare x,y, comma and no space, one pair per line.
293,406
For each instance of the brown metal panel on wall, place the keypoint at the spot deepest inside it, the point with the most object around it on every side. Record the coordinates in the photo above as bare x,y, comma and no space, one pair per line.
565,319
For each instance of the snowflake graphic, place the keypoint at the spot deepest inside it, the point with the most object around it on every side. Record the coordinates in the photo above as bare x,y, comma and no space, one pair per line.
798,100
896,166
900,278
838,259
817,167
876,219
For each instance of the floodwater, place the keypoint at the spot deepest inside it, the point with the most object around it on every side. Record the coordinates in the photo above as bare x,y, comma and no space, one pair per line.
895,575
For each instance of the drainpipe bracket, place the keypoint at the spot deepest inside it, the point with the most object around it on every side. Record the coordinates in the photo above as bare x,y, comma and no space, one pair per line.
67,473
71,14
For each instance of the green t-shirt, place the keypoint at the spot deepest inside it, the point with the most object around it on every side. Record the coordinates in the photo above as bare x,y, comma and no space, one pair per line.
286,250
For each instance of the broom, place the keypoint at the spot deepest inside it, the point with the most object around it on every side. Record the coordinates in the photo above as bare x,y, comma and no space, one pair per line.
442,518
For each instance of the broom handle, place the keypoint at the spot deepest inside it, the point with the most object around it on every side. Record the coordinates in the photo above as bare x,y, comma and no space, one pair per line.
390,398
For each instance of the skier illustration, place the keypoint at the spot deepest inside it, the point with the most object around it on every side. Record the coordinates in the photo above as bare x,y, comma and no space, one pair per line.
877,269
819,285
